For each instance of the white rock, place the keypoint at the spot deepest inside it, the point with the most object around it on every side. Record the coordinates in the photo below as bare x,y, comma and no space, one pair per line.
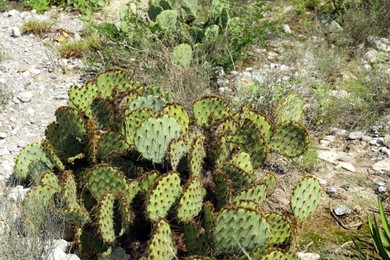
322,181
381,166
330,138
286,28
307,256
381,189
6,168
60,244
25,97
57,254
341,210
355,135
331,190
35,71
15,32
378,182
3,135
18,193
329,156
13,13
4,151
371,56
347,166
324,142
381,44
30,111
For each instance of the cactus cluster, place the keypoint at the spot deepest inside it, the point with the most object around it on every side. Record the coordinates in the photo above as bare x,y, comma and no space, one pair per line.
135,168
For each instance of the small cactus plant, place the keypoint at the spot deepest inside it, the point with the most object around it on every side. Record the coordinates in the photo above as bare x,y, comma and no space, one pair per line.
133,167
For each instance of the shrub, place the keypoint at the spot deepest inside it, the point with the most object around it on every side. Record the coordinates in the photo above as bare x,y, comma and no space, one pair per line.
135,168
37,27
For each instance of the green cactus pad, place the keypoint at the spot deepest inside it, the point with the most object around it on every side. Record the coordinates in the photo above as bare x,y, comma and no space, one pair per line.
112,79
270,180
239,178
126,215
289,139
157,91
290,108
148,180
262,124
165,193
161,246
243,161
182,55
111,144
65,145
190,203
131,190
279,228
42,194
246,204
71,122
36,169
190,6
178,148
104,178
133,121
49,179
154,135
209,217
167,20
223,189
252,141
49,151
277,255
69,190
103,113
196,155
209,109
154,11
30,153
82,98
154,103
105,218
237,228
195,237
178,113
305,198
257,193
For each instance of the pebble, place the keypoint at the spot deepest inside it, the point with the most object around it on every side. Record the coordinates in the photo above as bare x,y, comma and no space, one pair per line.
308,256
34,71
15,32
386,141
355,135
381,189
18,193
330,138
347,166
331,190
378,182
286,28
383,165
341,210
340,132
25,97
366,138
329,156
3,135
373,142
13,13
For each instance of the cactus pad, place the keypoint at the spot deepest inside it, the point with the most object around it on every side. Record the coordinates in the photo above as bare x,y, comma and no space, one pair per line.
30,153
154,135
279,228
223,189
190,203
102,112
133,121
209,109
270,180
111,144
154,103
306,197
243,161
82,98
290,108
178,148
259,120
197,153
105,216
178,113
163,196
256,193
237,228
182,55
196,242
104,178
161,246
289,139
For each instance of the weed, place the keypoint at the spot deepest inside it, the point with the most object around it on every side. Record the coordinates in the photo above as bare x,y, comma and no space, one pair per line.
37,27
3,5
73,48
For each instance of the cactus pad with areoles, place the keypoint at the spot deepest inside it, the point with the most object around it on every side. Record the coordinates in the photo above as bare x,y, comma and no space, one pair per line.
190,203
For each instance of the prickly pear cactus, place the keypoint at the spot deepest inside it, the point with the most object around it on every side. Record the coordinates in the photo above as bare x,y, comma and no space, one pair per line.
133,168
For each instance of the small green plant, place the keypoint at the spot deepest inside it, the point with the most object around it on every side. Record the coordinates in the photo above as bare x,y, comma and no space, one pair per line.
37,27
130,165
381,235
3,5
85,7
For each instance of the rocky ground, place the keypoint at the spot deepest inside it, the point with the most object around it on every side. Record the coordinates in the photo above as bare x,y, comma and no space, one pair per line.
354,166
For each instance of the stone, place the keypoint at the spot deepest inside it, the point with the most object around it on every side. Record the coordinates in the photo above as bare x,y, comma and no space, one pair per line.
341,210
366,138
378,182
381,189
57,254
347,166
371,56
345,158
6,168
13,13
324,142
25,97
4,151
18,193
15,32
286,28
373,142
3,135
307,256
355,135
329,156
382,166
34,71
330,138
381,44
331,190
339,132
386,141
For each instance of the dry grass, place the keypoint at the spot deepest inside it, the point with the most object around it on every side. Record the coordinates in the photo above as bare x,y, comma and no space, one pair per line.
37,27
